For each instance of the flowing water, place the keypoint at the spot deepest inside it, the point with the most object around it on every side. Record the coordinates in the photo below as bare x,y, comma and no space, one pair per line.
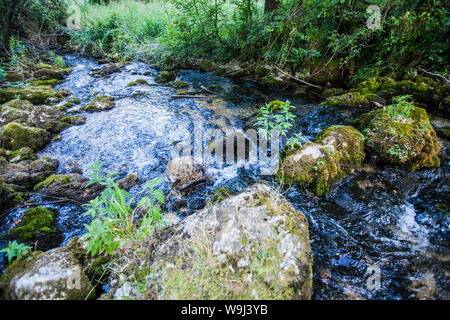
382,233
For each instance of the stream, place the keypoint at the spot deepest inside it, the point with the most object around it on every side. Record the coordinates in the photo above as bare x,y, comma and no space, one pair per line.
379,219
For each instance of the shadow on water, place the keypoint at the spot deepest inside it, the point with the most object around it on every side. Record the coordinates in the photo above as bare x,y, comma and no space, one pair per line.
388,218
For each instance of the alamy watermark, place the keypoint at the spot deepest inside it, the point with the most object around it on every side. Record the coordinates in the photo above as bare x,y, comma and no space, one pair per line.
374,21
373,282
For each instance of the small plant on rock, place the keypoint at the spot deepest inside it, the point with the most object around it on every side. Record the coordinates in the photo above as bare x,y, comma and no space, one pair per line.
15,250
115,218
402,108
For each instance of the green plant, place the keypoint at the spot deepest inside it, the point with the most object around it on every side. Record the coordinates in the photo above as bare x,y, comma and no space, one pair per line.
2,73
275,117
17,52
114,217
15,250
402,108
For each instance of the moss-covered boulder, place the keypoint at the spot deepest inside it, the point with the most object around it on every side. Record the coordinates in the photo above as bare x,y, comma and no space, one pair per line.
254,245
42,168
129,181
38,227
165,76
106,70
337,151
23,154
349,99
16,136
15,111
51,275
408,142
34,94
100,103
179,84
44,71
68,186
138,82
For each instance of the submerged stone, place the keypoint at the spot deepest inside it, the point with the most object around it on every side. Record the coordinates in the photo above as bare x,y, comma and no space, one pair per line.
185,171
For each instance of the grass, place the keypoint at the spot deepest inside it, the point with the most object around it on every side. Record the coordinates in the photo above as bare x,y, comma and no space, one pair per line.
127,29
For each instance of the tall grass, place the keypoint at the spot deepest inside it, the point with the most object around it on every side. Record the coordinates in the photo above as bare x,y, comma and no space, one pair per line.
127,29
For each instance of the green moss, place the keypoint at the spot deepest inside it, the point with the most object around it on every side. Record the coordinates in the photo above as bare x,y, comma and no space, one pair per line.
24,153
353,99
16,136
337,151
99,103
219,195
410,143
34,94
39,82
34,222
271,80
138,82
165,76
54,177
444,132
179,84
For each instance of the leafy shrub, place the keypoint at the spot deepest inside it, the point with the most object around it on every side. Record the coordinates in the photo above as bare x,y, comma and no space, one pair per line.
114,217
275,117
15,250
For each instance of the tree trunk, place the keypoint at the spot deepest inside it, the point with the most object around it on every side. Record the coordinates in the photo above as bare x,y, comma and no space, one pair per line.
271,5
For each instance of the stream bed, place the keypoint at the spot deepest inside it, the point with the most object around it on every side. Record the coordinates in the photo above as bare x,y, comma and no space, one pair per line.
379,220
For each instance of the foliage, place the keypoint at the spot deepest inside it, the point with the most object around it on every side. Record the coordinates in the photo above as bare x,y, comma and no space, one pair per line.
127,29
402,108
17,51
275,118
114,217
2,73
39,22
15,250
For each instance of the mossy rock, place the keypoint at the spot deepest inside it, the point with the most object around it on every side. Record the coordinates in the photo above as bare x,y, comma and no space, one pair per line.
179,84
349,99
34,94
206,65
38,227
16,136
410,143
40,82
61,178
165,76
338,151
332,92
253,245
69,121
51,275
99,103
138,82
22,154
271,80
15,110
